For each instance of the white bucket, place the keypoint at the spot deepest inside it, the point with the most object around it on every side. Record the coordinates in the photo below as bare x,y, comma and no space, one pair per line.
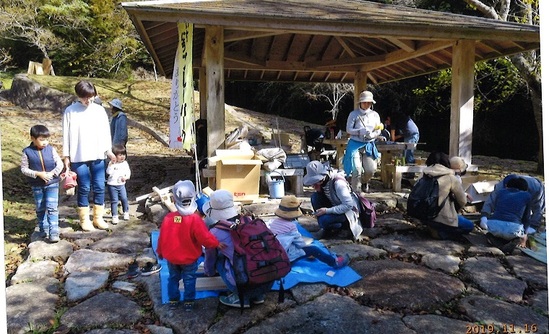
276,187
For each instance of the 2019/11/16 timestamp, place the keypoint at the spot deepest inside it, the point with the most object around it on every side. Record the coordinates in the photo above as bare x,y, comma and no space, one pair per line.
501,329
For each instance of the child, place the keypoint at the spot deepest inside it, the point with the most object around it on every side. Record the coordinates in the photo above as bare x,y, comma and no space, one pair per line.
459,166
182,235
118,173
507,224
285,229
42,166
119,123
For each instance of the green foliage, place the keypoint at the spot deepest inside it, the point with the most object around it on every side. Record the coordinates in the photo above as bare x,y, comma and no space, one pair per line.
83,38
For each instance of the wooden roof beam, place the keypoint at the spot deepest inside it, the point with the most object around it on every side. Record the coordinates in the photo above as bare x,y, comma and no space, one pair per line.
345,46
239,35
401,55
406,45
241,58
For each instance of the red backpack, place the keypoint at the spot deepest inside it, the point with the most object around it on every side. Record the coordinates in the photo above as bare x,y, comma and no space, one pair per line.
258,257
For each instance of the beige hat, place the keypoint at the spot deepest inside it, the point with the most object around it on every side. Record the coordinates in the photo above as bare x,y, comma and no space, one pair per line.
366,96
288,208
316,172
458,163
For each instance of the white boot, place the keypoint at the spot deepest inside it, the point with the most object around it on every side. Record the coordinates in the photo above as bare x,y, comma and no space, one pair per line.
84,215
98,217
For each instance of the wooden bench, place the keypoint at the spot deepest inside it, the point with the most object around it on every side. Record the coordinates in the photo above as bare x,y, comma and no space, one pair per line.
296,175
394,174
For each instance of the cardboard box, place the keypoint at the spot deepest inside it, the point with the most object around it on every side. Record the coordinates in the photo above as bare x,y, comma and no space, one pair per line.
240,177
284,139
230,154
480,191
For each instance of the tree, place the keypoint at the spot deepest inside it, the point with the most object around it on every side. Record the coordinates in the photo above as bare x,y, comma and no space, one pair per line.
528,64
331,93
86,38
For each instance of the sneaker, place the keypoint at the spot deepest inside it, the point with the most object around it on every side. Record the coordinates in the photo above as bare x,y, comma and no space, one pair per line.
54,238
173,304
150,269
188,306
509,247
258,300
126,216
133,270
342,261
42,234
232,301
114,220
494,241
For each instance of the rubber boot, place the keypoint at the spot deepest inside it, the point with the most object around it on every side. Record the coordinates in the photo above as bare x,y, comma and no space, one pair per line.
98,217
84,215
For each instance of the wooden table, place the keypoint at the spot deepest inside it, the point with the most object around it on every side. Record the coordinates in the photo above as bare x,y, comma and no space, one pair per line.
340,145
388,152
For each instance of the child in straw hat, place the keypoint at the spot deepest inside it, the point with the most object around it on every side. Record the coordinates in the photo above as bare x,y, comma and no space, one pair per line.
285,229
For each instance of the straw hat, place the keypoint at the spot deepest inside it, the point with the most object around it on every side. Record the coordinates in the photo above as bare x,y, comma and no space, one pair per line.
366,96
289,207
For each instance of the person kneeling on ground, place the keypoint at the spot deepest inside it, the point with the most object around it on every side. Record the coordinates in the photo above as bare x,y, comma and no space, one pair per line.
537,203
447,224
221,207
182,235
285,229
511,218
336,207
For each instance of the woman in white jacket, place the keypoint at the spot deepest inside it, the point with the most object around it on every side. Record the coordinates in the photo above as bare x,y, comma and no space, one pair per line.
86,144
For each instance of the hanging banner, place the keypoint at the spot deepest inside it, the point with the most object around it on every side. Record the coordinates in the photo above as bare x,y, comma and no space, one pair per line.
181,103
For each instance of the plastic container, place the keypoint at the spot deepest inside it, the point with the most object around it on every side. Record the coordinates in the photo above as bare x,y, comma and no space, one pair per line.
276,186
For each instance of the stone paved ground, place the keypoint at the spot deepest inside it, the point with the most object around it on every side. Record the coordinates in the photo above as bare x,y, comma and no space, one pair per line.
410,284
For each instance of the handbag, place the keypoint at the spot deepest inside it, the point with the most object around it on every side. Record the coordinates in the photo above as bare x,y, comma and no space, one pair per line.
69,180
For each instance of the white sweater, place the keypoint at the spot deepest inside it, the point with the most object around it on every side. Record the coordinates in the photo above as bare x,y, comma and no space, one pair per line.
86,132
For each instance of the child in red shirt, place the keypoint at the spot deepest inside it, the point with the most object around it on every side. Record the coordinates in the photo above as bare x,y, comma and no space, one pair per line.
182,235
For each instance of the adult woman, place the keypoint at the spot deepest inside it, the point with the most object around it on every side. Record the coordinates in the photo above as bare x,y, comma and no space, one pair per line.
447,224
363,126
336,207
86,142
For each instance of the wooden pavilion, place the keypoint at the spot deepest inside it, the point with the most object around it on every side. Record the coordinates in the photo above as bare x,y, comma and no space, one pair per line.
345,41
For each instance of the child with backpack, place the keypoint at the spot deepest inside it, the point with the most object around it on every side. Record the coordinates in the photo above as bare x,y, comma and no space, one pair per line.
446,224
221,213
182,235
41,164
285,229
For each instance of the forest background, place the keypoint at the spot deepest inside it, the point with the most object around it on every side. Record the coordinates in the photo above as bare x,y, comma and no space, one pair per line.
95,38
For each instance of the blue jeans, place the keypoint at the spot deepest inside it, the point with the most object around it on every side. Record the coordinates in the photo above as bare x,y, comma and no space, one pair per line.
409,154
187,272
116,193
327,221
46,200
319,254
448,232
504,229
91,175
